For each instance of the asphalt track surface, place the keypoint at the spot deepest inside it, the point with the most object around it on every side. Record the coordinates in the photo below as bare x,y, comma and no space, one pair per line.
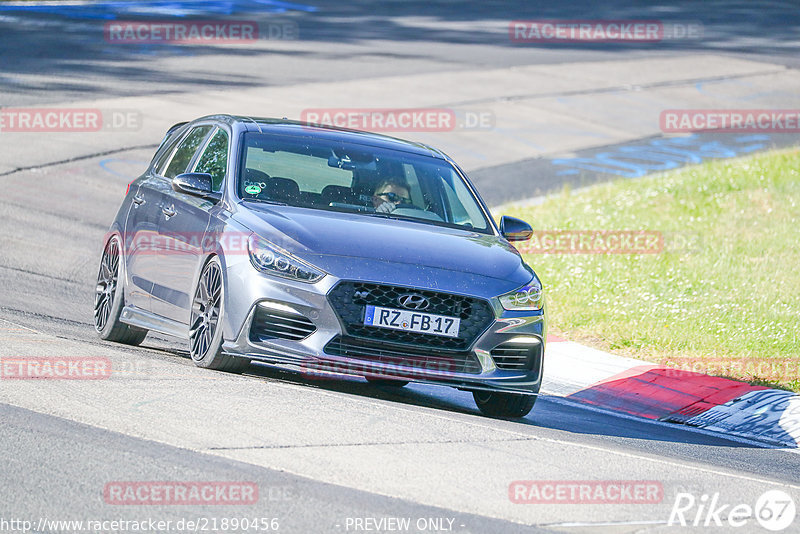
56,54
322,452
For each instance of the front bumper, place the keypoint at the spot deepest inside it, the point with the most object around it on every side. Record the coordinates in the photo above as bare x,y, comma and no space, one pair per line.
307,334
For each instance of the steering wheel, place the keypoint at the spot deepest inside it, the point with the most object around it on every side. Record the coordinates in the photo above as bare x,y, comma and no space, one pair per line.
403,205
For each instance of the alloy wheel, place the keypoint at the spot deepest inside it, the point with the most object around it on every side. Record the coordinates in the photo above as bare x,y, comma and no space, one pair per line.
107,280
205,311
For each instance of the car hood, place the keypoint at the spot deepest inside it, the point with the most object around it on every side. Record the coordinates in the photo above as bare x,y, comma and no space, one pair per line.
325,238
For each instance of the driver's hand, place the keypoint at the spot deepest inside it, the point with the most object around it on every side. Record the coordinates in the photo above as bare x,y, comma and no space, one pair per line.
386,207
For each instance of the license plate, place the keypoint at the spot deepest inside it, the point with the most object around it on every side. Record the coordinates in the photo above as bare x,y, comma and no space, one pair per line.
410,321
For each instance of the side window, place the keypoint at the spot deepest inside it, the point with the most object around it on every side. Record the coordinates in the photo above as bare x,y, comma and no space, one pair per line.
214,160
165,154
186,151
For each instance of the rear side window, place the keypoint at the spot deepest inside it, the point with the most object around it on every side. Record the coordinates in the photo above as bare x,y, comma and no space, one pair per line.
214,160
168,148
183,156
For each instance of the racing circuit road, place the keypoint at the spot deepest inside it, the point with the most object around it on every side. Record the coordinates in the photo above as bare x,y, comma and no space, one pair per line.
323,453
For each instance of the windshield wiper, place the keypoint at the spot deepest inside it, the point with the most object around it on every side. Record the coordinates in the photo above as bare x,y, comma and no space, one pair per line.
384,215
265,201
396,217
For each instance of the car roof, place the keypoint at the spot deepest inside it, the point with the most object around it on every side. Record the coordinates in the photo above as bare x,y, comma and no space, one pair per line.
304,129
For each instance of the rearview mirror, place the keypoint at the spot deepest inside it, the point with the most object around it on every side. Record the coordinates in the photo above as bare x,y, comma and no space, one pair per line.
515,229
196,184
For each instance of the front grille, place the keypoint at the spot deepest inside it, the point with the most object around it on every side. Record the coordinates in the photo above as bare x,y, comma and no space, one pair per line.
409,361
516,357
349,301
278,324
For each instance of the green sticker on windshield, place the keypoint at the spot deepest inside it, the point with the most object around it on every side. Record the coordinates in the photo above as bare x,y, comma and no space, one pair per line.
252,189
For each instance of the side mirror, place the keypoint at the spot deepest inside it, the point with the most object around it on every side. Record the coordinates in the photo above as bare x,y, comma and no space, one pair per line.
514,229
196,184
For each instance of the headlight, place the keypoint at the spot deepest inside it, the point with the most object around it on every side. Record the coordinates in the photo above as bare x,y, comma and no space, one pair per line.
270,259
527,298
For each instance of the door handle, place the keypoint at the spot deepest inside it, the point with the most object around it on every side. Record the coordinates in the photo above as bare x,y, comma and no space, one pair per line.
168,211
138,200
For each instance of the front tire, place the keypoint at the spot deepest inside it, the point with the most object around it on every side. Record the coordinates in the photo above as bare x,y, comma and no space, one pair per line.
496,404
108,299
205,331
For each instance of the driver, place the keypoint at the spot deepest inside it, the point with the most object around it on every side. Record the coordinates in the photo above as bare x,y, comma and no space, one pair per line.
389,194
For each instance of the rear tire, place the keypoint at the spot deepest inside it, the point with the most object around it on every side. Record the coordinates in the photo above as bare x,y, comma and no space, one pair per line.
205,332
108,299
496,404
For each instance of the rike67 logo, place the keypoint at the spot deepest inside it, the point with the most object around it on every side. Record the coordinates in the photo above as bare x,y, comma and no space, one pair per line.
774,510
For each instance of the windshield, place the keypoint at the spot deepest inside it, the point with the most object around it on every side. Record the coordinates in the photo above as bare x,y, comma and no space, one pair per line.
367,181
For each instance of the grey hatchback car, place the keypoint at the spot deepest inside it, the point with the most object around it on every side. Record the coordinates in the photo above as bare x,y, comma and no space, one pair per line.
329,251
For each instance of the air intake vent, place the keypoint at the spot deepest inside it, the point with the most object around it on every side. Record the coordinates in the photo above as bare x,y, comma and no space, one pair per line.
270,323
517,356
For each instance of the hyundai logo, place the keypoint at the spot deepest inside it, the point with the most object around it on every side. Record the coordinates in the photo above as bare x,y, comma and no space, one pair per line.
412,301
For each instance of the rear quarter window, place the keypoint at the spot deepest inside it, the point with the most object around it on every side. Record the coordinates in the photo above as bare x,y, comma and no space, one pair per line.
186,151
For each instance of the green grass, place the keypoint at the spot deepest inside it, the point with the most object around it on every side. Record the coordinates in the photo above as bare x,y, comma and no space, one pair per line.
733,294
